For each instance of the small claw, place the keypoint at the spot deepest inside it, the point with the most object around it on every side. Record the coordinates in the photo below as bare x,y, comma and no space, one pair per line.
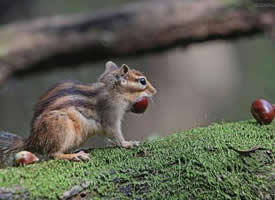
76,158
82,156
136,143
130,144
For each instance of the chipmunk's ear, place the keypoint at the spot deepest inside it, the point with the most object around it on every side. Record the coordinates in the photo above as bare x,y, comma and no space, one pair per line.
106,76
110,66
123,71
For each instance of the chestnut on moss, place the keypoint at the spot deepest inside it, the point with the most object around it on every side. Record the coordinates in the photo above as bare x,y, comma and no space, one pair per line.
25,158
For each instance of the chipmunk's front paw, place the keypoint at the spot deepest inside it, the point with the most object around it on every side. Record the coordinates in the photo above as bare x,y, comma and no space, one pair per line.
130,144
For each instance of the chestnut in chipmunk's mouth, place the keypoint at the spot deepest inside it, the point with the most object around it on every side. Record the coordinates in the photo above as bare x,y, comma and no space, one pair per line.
141,105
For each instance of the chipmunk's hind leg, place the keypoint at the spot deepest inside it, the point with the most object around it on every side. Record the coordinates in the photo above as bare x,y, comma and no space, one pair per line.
80,156
58,134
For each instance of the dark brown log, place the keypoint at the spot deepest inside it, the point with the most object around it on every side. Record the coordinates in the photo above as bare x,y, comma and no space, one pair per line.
130,29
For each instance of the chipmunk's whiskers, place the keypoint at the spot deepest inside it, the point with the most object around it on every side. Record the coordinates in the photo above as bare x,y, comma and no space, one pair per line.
151,99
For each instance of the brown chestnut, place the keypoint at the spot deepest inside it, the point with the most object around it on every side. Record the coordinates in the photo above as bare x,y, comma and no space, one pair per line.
140,106
263,111
25,158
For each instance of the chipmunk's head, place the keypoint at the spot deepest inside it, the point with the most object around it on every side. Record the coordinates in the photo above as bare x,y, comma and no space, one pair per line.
131,84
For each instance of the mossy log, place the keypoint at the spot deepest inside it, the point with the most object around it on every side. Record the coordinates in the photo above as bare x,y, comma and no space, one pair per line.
127,30
221,161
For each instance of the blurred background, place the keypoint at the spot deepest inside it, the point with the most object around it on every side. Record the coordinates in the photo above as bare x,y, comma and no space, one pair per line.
197,85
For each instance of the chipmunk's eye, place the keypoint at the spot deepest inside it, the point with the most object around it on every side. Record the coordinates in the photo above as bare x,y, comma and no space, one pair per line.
142,81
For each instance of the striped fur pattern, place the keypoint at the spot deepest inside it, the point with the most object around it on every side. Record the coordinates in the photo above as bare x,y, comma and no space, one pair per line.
69,112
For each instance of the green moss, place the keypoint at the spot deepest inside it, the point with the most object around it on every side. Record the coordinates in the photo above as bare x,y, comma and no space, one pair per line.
194,164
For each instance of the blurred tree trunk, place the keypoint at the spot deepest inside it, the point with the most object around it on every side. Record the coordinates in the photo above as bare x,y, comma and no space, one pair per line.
134,28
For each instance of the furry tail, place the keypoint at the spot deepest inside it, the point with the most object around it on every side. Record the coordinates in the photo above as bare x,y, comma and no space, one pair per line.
10,144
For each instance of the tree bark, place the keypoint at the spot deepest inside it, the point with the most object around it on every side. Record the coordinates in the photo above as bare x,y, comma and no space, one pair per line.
127,30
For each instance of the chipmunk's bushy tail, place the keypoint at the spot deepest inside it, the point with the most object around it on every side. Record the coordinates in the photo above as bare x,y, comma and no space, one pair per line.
9,145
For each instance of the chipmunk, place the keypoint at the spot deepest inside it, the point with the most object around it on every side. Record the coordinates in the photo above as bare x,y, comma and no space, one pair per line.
69,112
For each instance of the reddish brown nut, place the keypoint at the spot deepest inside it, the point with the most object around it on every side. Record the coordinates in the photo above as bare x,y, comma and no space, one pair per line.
141,105
25,158
263,111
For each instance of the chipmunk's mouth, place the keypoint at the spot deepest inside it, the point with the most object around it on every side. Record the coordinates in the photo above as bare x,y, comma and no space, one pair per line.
140,105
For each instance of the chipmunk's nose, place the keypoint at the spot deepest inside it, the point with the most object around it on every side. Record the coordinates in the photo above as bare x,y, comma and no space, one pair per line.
151,90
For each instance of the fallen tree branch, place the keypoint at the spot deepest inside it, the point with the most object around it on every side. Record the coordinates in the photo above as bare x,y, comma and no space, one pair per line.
134,28
179,166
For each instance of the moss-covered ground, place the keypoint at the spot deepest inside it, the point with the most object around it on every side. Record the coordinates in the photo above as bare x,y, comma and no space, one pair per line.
193,164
